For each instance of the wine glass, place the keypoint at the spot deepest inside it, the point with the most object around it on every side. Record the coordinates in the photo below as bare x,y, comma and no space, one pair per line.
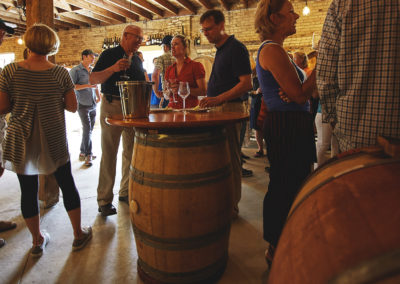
166,92
125,76
184,92
172,82
315,40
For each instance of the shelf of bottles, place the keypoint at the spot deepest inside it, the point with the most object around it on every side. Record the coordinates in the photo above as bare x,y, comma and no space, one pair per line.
156,39
152,39
111,42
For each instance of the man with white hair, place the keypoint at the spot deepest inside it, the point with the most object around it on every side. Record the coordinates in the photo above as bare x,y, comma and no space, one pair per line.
112,64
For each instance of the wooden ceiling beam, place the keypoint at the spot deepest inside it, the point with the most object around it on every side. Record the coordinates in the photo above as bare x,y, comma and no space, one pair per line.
65,18
129,6
8,3
167,5
187,5
143,3
62,5
12,18
59,10
206,4
82,18
117,10
96,9
102,19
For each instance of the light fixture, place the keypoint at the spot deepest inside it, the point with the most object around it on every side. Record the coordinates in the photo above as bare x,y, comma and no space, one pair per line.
306,10
20,41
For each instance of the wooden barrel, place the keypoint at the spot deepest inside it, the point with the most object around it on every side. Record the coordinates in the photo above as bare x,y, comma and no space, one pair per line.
344,225
180,195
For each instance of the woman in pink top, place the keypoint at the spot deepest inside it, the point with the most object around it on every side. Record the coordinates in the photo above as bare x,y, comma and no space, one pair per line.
185,70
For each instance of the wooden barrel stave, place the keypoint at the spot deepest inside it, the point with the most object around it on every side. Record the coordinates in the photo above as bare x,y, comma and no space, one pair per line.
336,223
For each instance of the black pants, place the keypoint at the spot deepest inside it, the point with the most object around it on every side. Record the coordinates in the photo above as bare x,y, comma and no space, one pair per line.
291,151
30,188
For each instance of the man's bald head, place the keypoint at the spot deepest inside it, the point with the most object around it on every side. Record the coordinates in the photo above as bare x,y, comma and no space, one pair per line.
132,38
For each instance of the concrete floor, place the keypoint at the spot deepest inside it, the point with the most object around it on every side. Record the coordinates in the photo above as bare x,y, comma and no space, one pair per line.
111,255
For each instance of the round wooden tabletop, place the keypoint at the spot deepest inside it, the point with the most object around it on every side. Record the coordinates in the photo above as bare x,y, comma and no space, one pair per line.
177,119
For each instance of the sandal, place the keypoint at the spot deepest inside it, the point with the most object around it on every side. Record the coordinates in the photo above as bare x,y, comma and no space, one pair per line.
6,225
81,243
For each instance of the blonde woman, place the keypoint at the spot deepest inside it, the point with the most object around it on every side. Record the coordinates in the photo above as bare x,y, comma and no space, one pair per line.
36,92
185,70
288,126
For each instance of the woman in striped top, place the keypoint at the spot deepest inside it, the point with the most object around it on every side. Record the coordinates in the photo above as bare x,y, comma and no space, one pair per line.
36,92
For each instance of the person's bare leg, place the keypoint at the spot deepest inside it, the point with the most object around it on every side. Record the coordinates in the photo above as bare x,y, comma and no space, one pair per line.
75,218
259,139
33,224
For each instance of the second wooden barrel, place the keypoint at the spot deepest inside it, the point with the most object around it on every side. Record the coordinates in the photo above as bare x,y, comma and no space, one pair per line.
344,225
180,195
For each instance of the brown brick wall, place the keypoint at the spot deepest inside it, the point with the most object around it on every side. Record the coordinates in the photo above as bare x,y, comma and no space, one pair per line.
239,22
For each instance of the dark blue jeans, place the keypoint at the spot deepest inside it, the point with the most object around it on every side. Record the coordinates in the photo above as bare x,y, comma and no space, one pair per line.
88,118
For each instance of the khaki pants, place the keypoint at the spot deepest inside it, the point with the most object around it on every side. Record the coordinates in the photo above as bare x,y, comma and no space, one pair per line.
233,134
110,139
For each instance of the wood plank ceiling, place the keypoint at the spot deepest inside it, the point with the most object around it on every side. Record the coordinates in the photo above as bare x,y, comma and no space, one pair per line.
74,14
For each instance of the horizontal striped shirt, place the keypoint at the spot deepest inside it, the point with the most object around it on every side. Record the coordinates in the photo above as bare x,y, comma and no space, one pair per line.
37,99
358,70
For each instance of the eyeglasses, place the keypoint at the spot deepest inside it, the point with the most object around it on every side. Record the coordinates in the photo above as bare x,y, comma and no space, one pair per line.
204,30
140,38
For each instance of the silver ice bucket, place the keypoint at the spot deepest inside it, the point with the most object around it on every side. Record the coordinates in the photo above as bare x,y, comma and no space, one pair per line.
135,98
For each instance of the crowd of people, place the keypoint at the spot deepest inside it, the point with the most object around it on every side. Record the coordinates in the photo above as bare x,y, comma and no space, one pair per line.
348,103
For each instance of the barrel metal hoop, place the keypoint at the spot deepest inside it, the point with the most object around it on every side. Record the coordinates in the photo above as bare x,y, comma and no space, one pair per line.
203,275
179,141
174,244
337,175
372,270
179,181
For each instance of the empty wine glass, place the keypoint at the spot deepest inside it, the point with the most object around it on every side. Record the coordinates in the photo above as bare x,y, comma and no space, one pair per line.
170,84
166,91
184,92
315,40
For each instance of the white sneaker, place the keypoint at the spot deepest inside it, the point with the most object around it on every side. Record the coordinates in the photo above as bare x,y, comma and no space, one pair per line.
37,251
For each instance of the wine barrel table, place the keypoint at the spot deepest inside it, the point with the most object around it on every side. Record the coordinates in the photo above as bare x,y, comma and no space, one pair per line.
344,225
180,195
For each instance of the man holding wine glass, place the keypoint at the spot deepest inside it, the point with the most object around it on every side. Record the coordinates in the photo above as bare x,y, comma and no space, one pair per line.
186,78
112,66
